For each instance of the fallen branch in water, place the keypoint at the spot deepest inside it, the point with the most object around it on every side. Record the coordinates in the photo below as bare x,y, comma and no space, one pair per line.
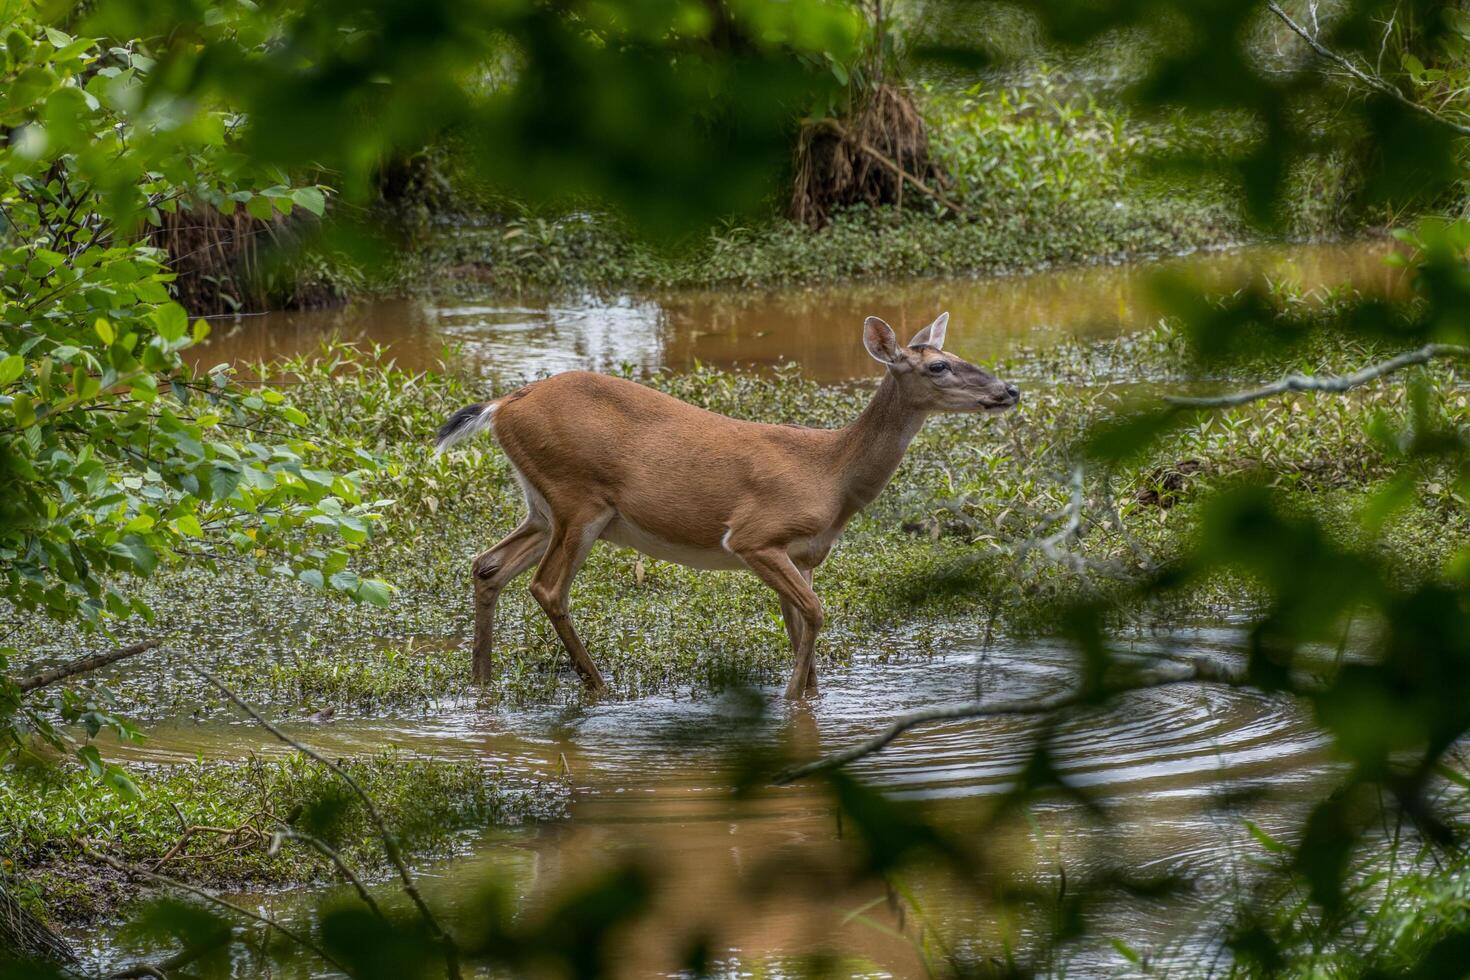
246,830
390,842
82,665
1336,384
1200,673
1379,85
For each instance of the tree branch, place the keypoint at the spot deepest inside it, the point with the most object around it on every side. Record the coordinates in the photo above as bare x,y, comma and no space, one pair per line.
1378,85
1329,383
1200,673
82,665
390,842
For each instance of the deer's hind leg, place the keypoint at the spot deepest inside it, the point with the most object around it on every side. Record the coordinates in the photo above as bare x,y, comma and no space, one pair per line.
492,571
571,541
796,629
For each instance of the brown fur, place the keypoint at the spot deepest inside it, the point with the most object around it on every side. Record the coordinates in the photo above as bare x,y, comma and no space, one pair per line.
606,458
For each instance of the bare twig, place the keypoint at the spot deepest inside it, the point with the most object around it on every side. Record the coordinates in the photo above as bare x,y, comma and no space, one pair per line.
305,942
1055,547
82,665
1373,82
246,829
1200,673
1110,508
1330,383
390,842
1051,546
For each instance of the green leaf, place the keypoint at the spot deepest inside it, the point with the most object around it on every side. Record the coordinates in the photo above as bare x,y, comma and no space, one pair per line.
121,783
1264,839
133,547
1127,952
223,482
260,207
345,581
375,591
171,321
352,529
310,198
11,368
104,330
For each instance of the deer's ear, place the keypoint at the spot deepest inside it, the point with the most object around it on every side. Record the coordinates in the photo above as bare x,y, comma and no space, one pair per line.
880,340
933,334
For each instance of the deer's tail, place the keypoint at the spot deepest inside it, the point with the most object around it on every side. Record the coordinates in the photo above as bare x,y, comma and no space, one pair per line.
468,421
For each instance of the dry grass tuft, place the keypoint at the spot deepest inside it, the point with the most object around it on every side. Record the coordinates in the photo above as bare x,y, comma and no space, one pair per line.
875,156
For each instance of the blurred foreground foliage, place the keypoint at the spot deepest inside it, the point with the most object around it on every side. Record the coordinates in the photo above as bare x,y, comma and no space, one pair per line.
116,456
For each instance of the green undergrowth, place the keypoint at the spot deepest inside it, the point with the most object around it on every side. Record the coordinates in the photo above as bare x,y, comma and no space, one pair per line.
53,820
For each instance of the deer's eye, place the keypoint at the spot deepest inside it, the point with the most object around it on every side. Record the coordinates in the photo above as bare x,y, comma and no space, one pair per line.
938,367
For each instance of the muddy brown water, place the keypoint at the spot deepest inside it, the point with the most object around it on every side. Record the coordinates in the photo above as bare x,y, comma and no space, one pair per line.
818,328
1180,769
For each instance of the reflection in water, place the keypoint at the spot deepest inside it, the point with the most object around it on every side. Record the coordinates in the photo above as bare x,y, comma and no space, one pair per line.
651,779
817,328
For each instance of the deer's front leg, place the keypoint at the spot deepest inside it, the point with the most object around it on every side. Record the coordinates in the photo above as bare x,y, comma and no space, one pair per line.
491,572
775,568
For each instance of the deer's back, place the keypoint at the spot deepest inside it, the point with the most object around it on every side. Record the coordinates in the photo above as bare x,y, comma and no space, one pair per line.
585,439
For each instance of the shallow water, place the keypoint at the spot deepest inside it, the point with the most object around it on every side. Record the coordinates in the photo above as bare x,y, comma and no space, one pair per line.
650,777
818,328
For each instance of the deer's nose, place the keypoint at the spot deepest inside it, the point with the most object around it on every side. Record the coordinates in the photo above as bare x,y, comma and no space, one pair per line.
1014,392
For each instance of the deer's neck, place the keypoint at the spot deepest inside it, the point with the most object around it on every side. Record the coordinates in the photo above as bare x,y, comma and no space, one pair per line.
870,449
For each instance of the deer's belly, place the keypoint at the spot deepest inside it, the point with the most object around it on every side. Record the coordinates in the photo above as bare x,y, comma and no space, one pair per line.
624,532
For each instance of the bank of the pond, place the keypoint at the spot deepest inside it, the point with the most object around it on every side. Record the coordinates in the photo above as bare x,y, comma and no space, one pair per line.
213,824
569,253
1042,174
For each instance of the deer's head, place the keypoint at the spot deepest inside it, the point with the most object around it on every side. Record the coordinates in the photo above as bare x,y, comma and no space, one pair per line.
932,380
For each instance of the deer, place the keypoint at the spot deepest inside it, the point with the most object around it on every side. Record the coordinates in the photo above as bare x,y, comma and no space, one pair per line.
600,458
